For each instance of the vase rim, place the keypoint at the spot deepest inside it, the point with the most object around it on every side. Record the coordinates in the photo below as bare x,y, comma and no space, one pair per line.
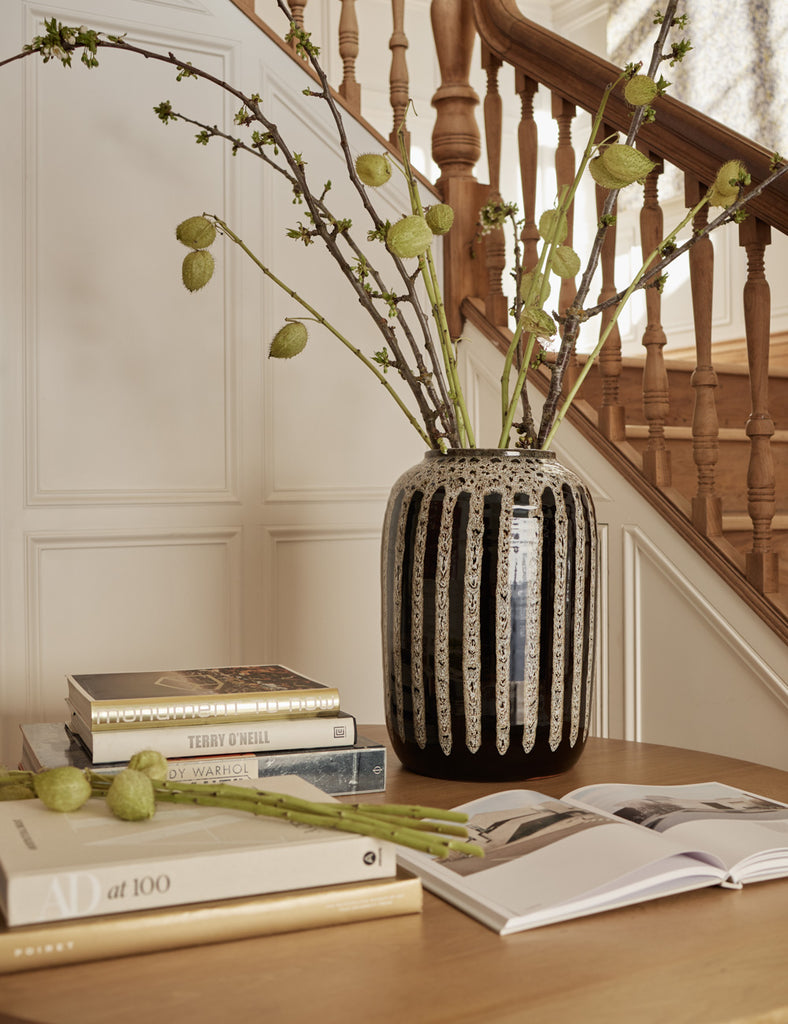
503,453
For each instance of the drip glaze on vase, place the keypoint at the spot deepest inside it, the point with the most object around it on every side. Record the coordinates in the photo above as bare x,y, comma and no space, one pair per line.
489,581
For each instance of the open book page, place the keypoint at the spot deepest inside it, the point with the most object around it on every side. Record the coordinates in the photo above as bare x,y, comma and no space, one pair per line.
749,833
547,860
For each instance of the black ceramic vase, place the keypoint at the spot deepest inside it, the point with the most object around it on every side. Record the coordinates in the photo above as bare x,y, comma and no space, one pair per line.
489,595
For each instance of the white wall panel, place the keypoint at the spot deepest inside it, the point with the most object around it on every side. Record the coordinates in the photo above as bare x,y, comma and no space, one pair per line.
128,386
314,572
712,690
330,427
134,602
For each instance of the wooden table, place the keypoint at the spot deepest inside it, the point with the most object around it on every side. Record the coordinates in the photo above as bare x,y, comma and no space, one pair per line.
696,958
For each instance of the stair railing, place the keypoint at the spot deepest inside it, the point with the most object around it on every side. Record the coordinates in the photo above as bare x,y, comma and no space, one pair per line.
697,146
682,138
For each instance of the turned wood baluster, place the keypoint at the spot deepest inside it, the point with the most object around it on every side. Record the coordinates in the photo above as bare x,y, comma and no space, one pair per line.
456,149
762,562
349,90
494,243
564,113
611,413
656,400
297,10
528,147
706,505
399,83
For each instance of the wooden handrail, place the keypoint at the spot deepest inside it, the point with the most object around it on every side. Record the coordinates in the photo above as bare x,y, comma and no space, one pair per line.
692,141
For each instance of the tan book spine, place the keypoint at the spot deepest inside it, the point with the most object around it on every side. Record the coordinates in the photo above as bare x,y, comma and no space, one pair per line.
29,947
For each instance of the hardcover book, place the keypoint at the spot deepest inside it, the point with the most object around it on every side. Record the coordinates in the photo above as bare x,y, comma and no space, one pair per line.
604,846
339,771
129,700
99,938
56,866
233,738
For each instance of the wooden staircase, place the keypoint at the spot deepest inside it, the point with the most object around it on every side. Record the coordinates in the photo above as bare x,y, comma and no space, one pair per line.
704,437
732,396
698,437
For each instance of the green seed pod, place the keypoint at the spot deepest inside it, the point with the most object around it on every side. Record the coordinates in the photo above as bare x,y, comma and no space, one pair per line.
537,322
288,341
62,789
566,262
552,226
196,232
531,286
409,237
197,269
131,796
603,177
150,763
640,90
373,169
440,218
626,163
723,193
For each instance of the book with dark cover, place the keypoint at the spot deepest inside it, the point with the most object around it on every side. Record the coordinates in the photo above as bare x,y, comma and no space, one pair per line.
338,771
246,693
311,732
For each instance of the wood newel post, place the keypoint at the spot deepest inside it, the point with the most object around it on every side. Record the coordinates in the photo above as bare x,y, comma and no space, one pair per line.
611,416
496,306
528,146
762,563
656,400
399,82
350,89
456,148
706,505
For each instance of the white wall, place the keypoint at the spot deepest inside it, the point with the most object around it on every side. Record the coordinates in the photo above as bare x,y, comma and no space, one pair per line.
170,496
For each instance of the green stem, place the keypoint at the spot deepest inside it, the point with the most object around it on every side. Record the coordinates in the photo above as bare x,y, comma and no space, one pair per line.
325,323
604,334
510,402
430,279
342,817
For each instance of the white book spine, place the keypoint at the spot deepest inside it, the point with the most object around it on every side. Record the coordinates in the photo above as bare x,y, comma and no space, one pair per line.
37,896
191,741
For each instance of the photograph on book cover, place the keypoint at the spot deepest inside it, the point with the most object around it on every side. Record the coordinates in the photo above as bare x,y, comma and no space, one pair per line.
189,682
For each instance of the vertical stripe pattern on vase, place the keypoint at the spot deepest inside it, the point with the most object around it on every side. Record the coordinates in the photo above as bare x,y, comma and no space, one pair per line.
489,603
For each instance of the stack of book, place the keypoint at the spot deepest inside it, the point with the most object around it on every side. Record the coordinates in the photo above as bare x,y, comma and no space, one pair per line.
85,885
237,724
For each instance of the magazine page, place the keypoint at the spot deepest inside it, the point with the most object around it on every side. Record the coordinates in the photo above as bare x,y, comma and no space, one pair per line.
548,860
748,832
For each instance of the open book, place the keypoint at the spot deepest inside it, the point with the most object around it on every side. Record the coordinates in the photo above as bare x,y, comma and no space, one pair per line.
604,846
